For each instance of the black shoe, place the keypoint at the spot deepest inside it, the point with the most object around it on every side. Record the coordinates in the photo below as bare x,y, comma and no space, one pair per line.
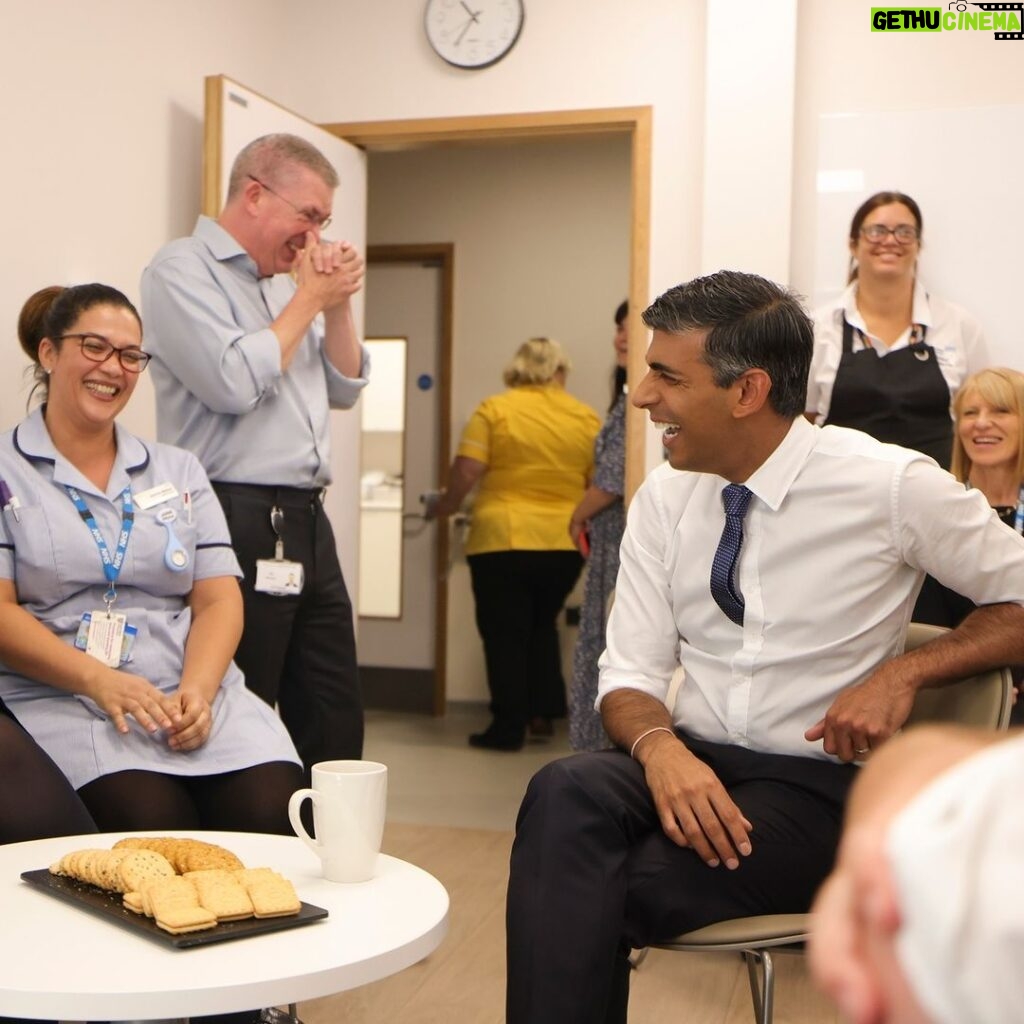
541,727
491,739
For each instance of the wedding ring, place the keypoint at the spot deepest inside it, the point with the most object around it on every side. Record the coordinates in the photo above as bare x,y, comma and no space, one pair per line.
864,750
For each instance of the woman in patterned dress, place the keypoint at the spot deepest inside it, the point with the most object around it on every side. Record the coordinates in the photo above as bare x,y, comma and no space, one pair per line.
597,524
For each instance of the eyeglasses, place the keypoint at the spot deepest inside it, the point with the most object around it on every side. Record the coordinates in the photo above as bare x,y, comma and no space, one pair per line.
312,217
97,349
903,233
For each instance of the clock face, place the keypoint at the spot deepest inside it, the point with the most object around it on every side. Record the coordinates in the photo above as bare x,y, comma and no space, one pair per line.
473,33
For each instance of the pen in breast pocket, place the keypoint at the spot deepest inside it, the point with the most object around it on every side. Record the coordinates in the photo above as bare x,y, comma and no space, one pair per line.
186,500
9,501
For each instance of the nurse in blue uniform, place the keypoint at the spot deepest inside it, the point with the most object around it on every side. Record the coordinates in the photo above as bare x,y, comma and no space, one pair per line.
119,602
888,355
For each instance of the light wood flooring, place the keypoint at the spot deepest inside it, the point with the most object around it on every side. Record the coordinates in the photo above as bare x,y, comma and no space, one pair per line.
463,981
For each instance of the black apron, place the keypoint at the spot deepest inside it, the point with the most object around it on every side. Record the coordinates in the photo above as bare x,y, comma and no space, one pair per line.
901,398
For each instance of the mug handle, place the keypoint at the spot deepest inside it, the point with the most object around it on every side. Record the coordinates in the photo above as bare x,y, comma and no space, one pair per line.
294,807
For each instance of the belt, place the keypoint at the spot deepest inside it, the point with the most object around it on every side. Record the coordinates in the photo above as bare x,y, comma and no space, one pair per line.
273,494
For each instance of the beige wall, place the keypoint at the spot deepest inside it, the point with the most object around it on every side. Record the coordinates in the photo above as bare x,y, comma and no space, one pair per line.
102,107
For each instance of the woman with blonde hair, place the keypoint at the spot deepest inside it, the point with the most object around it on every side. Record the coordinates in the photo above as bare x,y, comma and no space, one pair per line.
988,456
529,450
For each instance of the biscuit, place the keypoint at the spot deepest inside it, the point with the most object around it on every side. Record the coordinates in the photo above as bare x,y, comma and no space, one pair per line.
222,894
141,866
180,919
272,894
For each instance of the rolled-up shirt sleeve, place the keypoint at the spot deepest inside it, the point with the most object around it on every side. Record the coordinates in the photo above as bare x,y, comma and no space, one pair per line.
343,392
642,638
192,328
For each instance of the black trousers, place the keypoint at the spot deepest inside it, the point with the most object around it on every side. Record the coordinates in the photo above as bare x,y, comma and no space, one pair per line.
592,873
518,596
298,652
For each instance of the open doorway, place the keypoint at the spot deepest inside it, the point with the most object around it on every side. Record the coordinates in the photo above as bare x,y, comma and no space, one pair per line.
416,160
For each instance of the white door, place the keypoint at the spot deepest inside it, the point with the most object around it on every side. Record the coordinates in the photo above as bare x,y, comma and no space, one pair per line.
403,301
235,116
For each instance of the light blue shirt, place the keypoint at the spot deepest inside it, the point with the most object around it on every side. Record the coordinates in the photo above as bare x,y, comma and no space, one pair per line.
47,551
220,389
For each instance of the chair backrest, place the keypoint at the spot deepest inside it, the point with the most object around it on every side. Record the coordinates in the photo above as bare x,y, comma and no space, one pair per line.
982,700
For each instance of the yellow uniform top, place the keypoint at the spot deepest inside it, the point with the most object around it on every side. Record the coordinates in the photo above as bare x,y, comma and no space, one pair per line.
537,442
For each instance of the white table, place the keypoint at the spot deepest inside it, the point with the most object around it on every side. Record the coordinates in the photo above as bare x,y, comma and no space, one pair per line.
58,962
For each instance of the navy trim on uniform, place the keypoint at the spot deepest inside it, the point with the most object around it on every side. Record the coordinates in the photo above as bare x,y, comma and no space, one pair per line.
212,544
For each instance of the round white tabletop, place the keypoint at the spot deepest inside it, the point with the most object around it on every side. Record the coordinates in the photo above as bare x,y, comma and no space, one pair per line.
58,962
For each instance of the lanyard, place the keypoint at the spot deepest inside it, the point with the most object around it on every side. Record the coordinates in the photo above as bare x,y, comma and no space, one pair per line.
1018,517
111,566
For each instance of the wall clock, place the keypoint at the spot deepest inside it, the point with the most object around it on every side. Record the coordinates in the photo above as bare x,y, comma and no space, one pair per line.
473,34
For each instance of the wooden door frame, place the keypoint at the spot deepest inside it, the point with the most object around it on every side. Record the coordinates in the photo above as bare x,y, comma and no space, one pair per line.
441,254
381,136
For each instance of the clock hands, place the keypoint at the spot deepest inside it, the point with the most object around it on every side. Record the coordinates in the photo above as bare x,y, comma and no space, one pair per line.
473,17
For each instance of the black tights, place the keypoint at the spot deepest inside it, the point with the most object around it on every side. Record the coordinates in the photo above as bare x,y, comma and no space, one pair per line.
249,800
36,801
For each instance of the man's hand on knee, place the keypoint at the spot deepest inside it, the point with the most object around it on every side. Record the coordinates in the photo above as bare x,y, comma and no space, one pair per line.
694,807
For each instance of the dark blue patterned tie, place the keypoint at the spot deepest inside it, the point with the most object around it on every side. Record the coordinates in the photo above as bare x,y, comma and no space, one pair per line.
735,499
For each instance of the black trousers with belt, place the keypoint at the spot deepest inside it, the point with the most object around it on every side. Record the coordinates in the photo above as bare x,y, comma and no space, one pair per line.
298,652
592,873
518,595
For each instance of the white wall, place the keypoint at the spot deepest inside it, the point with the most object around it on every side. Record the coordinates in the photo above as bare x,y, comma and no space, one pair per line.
843,68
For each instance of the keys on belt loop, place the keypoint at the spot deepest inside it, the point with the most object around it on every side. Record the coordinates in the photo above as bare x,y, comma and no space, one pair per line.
277,525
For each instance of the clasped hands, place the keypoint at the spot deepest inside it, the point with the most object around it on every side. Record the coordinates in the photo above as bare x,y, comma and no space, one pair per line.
185,716
696,810
334,270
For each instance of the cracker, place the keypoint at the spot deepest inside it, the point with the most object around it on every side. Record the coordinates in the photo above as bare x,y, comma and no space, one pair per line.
142,866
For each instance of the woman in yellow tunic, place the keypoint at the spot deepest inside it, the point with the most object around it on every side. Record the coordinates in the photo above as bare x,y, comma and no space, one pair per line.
530,449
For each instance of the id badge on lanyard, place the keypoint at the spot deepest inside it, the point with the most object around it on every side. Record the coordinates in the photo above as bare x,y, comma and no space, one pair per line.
103,633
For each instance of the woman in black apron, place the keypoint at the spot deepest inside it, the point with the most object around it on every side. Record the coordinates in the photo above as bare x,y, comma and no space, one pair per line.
890,380
988,455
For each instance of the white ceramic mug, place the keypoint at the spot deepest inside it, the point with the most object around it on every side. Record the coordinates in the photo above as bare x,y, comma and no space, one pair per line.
349,800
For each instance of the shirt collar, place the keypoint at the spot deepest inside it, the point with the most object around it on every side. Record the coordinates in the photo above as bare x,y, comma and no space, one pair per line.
772,480
922,311
32,442
222,244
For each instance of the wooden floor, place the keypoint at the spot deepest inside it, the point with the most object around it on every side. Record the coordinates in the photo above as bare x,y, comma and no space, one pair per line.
463,982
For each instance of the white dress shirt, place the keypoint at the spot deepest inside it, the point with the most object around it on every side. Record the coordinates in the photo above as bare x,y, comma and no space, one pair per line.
838,536
962,837
953,333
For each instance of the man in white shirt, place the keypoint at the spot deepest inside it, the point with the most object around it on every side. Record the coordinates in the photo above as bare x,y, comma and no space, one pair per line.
778,563
938,812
